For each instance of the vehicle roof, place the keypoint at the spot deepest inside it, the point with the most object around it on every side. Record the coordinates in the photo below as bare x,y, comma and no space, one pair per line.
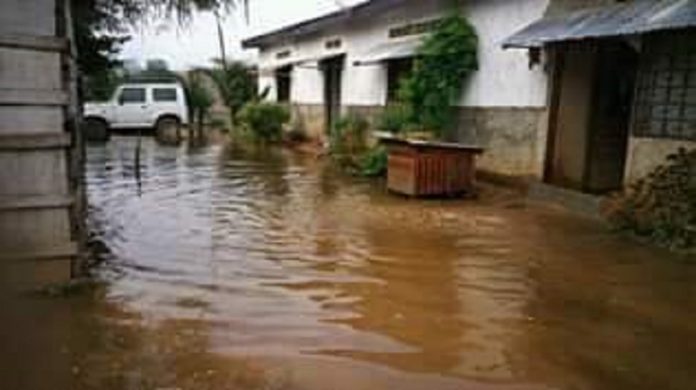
150,85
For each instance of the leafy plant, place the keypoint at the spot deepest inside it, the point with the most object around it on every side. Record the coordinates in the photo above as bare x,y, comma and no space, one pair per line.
265,120
349,135
236,85
396,118
374,162
662,206
444,61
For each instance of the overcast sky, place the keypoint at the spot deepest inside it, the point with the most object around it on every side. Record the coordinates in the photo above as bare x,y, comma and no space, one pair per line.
196,43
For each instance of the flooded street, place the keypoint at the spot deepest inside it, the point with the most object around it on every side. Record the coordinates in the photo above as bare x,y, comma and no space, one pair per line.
230,268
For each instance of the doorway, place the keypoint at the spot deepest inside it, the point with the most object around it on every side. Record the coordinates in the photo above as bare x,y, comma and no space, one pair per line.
592,97
332,69
283,77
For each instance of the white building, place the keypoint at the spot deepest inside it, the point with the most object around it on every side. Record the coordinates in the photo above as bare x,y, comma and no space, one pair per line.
349,61
601,92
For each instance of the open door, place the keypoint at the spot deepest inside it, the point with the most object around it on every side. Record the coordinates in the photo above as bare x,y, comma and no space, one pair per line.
332,69
611,119
590,115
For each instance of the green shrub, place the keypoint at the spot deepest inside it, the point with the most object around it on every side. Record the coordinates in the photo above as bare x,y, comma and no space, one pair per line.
395,118
265,120
661,207
349,135
374,162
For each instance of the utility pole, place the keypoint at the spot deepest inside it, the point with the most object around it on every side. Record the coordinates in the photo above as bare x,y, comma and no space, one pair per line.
221,39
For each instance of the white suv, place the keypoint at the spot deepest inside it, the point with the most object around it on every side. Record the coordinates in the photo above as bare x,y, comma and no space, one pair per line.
143,105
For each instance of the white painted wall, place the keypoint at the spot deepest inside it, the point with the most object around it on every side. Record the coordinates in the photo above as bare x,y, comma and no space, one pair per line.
504,78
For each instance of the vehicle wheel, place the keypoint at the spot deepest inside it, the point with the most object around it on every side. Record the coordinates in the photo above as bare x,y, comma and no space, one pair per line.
168,129
95,130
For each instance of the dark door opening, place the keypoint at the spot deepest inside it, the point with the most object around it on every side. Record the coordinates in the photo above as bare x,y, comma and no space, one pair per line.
397,71
590,116
332,69
283,78
611,118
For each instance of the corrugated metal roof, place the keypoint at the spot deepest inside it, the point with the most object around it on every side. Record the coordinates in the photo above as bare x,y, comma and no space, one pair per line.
635,17
362,9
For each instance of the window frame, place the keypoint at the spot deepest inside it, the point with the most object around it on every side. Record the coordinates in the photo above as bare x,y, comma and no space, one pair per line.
121,93
156,89
665,102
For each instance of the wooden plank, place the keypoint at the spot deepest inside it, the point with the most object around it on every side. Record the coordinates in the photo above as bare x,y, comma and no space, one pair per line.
22,230
33,172
30,17
12,142
28,276
33,97
33,70
30,120
33,42
57,252
33,202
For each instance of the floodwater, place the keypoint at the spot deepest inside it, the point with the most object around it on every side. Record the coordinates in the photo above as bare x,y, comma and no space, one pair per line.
239,268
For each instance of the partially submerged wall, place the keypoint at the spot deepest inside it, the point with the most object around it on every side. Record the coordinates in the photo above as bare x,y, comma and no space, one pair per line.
646,154
514,137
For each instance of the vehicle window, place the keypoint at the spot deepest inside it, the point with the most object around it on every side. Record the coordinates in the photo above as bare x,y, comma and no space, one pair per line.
164,94
132,95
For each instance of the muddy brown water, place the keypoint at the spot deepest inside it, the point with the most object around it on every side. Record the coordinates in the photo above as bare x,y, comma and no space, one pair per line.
236,268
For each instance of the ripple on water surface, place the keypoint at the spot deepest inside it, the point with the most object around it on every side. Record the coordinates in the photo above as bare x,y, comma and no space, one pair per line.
286,258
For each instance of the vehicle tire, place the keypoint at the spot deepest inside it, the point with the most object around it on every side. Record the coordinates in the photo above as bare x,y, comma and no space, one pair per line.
168,129
95,130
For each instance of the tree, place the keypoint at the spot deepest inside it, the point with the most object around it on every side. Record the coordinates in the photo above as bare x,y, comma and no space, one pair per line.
236,85
100,27
199,99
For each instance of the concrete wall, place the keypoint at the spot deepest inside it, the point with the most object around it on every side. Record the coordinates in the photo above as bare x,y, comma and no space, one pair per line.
646,154
515,138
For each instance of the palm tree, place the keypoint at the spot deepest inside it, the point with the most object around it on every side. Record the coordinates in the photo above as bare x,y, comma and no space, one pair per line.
236,85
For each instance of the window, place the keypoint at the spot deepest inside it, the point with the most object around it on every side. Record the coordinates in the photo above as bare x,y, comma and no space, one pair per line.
164,94
333,44
283,84
283,54
665,106
397,70
414,28
132,96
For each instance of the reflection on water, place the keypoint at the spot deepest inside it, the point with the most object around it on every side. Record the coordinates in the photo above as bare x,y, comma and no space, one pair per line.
270,258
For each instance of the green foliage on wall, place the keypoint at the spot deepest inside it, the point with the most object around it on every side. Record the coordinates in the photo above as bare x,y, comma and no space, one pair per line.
661,207
444,61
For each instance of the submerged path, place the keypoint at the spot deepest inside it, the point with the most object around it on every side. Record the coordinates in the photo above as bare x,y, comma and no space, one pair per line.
239,269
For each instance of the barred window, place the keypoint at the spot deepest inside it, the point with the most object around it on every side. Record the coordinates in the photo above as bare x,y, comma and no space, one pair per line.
665,106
